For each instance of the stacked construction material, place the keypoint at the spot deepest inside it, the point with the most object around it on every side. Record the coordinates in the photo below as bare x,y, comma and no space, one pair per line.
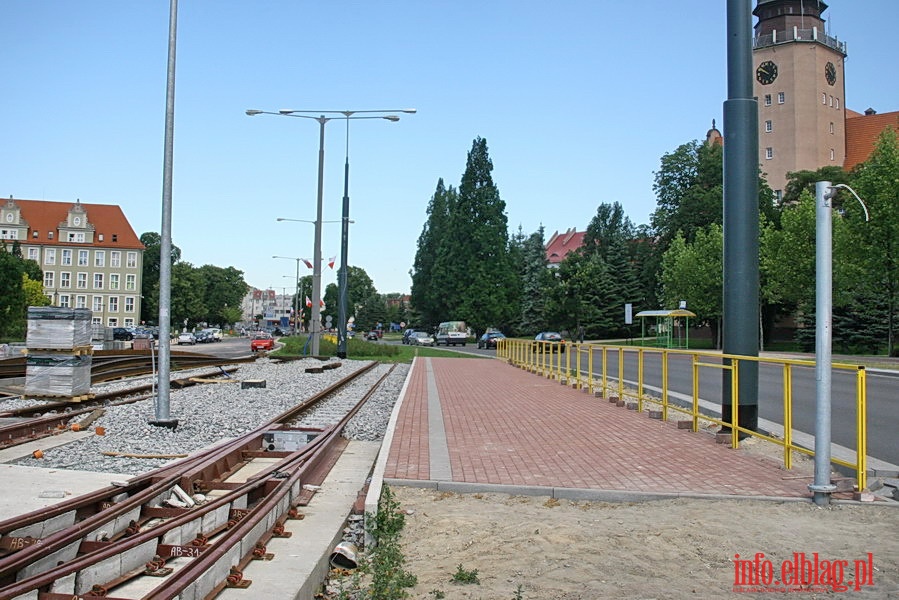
59,352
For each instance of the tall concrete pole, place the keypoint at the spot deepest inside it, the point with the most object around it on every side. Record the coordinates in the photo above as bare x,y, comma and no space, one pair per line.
741,216
316,326
162,414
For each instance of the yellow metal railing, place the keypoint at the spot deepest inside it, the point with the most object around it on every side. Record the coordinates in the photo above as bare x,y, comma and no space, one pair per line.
564,362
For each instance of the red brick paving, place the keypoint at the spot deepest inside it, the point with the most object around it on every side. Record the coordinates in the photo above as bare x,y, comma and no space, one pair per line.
507,426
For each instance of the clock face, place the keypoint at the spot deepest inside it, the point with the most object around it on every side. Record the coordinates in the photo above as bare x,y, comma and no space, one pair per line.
9,217
77,220
830,73
766,73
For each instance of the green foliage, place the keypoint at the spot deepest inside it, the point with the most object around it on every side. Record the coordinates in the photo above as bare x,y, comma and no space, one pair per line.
386,561
692,271
12,295
466,576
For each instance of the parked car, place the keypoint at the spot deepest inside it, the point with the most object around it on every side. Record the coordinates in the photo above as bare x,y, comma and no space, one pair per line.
122,333
372,336
215,333
488,340
407,334
421,338
187,338
556,342
262,341
204,337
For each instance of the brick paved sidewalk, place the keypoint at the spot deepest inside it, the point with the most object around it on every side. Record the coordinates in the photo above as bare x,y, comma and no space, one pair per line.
482,421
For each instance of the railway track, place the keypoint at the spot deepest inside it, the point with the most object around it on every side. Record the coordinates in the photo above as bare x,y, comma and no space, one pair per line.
187,529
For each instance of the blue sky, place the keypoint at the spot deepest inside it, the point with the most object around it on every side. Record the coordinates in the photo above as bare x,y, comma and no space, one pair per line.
578,101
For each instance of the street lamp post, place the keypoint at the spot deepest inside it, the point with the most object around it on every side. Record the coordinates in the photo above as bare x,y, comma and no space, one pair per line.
345,220
296,289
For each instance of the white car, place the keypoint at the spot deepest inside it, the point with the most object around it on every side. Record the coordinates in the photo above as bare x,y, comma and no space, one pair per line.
421,338
187,338
215,332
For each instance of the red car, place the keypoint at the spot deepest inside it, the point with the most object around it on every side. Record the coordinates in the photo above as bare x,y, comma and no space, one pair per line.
262,341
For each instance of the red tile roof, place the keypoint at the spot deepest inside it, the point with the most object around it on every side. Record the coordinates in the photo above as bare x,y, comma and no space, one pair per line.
108,220
558,246
862,131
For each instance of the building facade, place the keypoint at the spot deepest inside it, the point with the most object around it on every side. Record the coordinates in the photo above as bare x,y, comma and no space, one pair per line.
89,254
800,88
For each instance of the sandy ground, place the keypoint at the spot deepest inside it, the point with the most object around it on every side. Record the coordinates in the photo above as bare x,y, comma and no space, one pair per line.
541,548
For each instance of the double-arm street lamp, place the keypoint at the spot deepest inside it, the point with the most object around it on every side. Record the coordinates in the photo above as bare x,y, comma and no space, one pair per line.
345,219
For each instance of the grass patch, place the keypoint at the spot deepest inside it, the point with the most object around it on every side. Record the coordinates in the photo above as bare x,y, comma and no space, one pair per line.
359,349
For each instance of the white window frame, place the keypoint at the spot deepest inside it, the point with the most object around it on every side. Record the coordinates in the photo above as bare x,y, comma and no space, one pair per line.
769,153
131,260
129,304
64,301
50,256
98,281
781,97
99,258
112,304
131,282
115,259
65,279
49,279
80,301
83,258
114,280
81,280
769,126
97,304
65,258
767,99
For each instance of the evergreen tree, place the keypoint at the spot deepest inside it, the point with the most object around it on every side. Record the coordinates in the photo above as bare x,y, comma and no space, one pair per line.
12,295
427,297
536,279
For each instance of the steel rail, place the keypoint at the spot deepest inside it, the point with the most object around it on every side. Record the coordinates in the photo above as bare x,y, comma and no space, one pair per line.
199,467
263,484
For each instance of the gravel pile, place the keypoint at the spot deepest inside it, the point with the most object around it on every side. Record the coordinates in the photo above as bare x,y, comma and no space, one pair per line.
210,413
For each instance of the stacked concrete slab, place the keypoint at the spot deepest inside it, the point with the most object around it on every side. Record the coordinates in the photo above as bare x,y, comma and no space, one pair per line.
59,352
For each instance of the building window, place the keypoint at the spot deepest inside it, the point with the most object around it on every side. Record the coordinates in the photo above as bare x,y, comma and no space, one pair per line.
9,234
97,304
99,258
836,103
129,322
115,259
824,98
831,128
769,153
131,259
778,196
767,99
832,154
33,254
76,237
65,279
49,279
66,258
113,281
80,301
781,97
113,304
112,322
769,126
129,304
98,281
131,282
64,301
831,100
81,281
50,256
82,258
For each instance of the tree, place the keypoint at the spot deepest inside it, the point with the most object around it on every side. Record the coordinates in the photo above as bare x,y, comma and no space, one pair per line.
12,295
222,287
427,297
152,241
536,280
473,266
692,271
873,246
609,227
187,295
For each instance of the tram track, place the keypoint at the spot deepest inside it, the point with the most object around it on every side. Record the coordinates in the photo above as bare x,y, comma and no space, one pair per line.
115,540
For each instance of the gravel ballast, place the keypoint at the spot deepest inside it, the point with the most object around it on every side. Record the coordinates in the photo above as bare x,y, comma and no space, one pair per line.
209,413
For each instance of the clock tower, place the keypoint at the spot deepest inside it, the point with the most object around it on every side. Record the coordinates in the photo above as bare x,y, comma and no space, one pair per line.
800,88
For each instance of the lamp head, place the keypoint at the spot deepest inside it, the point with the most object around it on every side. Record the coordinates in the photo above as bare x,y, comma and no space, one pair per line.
410,110
253,112
393,118
285,111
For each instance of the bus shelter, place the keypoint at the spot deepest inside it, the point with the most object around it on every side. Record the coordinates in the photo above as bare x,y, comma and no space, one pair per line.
667,328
